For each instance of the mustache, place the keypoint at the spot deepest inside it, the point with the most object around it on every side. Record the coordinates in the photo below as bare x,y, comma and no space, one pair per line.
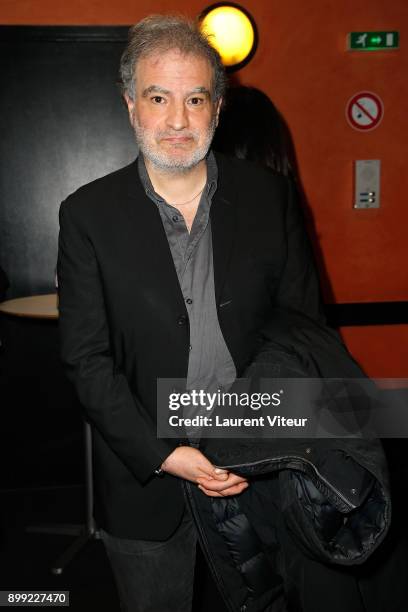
186,134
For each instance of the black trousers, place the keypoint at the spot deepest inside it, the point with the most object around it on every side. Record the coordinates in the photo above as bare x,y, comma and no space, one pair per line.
155,576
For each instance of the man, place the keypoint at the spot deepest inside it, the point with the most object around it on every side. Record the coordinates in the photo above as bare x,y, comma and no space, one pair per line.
167,269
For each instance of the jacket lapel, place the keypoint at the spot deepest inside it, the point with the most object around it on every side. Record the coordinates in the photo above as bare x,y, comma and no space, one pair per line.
223,219
152,243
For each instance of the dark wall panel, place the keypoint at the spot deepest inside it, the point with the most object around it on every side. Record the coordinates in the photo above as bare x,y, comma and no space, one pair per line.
62,124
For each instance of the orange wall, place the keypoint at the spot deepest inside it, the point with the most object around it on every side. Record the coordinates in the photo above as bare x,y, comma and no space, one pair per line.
381,350
302,64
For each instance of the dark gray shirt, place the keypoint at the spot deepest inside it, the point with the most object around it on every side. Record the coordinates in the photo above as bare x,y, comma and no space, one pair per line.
210,365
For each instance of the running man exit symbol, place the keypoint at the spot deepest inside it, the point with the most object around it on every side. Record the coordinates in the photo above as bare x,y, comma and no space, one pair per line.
361,40
373,41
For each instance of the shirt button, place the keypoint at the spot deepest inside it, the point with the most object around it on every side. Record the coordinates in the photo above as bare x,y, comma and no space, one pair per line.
190,347
175,218
189,301
182,320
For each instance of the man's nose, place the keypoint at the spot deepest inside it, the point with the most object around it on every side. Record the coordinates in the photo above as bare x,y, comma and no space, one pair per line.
177,116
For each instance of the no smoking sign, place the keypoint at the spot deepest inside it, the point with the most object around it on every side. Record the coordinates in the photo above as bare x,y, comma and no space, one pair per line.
364,111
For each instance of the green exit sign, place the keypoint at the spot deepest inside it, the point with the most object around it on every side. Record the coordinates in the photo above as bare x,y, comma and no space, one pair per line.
373,41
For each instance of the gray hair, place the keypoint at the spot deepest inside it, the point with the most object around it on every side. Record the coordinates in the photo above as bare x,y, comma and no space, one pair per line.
161,33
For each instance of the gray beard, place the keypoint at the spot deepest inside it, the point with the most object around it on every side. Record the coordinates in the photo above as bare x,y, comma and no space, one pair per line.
163,162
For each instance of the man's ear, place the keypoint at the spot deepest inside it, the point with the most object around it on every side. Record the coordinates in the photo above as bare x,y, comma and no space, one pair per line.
130,106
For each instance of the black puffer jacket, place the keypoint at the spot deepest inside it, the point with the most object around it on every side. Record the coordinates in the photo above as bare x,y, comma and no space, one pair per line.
330,497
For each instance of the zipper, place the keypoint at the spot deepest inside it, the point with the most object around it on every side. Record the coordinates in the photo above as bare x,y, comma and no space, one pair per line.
207,553
339,494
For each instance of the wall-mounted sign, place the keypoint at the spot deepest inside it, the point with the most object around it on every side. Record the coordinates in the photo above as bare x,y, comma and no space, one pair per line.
364,111
373,41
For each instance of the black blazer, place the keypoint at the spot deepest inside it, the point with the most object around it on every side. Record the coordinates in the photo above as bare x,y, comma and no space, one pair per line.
123,321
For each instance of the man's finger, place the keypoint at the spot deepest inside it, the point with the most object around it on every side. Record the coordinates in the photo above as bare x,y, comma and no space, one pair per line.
207,471
218,485
212,475
234,490
229,481
220,475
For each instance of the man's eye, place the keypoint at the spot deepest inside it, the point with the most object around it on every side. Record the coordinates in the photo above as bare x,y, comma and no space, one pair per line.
158,99
196,101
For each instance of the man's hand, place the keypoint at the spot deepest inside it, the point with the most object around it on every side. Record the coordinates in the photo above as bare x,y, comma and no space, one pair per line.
233,485
190,463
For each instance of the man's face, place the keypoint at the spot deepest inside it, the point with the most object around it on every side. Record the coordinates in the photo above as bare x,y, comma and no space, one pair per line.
173,114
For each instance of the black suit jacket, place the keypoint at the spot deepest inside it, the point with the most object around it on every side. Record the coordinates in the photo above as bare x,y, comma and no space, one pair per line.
123,321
